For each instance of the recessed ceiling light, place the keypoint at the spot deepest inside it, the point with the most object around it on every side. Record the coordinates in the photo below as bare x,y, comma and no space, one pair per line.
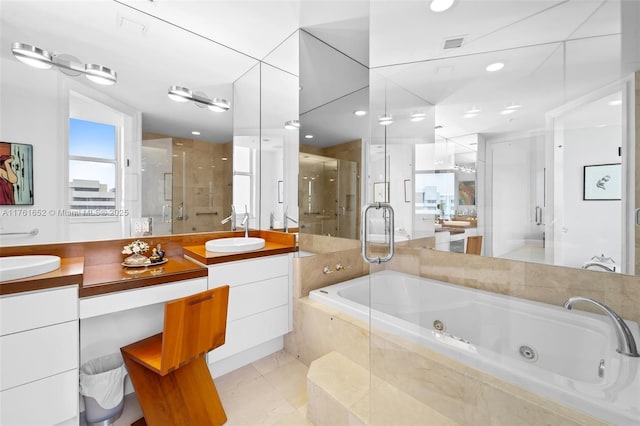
385,120
308,136
418,116
497,66
360,112
195,133
615,102
507,111
292,125
440,5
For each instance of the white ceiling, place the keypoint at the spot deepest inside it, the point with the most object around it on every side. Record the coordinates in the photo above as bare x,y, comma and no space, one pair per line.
207,45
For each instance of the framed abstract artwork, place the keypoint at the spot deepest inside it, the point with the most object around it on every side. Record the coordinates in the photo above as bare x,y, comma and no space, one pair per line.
602,182
16,174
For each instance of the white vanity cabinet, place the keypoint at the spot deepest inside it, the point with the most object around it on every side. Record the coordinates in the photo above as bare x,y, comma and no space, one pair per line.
39,357
260,309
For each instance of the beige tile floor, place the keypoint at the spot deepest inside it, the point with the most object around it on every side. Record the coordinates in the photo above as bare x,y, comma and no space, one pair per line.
270,391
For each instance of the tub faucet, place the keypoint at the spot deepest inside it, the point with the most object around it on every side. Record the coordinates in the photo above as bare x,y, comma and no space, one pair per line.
245,222
231,217
602,262
626,342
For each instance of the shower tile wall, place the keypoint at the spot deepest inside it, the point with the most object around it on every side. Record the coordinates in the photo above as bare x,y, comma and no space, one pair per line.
201,185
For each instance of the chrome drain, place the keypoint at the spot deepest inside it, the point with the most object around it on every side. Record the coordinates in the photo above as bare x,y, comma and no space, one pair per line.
439,325
528,353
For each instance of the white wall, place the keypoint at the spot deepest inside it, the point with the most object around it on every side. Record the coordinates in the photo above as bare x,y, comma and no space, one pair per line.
511,194
30,114
589,228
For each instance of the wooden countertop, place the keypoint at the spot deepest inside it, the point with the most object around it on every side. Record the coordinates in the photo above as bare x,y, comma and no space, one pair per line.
270,248
451,230
109,278
70,272
96,278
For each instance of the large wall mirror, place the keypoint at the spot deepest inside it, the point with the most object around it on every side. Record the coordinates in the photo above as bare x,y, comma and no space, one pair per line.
530,144
334,123
496,129
169,169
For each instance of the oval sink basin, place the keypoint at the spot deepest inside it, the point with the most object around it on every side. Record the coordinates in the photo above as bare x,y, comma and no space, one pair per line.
17,267
234,244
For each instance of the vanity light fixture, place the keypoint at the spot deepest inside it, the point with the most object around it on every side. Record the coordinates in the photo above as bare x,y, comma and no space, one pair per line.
42,59
385,120
292,124
359,113
417,116
183,94
440,5
497,66
32,55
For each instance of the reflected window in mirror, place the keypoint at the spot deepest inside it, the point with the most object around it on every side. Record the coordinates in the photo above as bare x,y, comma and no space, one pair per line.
244,165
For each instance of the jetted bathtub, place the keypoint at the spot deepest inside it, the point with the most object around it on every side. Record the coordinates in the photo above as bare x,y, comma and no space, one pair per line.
567,356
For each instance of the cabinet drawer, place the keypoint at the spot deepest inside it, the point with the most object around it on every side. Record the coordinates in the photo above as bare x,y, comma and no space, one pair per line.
45,402
145,296
26,311
250,299
251,331
247,271
34,354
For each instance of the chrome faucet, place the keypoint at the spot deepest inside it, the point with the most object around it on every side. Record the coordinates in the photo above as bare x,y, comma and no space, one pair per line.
286,219
602,262
231,217
245,222
626,342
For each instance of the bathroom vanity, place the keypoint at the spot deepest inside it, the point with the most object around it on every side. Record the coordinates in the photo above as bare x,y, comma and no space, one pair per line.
92,306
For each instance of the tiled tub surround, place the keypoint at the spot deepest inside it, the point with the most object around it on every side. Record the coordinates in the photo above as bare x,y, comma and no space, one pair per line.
464,394
488,332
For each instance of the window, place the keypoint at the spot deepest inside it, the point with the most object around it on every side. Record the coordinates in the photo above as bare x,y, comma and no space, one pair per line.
243,179
92,166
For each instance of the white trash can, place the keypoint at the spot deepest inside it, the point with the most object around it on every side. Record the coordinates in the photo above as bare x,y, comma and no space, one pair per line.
102,388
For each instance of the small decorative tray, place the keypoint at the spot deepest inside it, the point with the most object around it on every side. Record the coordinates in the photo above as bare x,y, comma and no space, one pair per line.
144,265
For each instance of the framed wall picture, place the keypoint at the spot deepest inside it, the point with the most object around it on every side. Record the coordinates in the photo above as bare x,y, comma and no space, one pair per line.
16,174
467,193
602,182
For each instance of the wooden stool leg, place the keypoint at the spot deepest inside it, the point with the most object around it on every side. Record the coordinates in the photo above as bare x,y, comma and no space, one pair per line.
186,396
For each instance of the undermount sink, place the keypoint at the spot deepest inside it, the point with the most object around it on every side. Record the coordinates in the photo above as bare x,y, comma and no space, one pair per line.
235,244
17,267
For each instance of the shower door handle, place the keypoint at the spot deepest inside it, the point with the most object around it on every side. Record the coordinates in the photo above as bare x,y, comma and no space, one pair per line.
363,237
538,215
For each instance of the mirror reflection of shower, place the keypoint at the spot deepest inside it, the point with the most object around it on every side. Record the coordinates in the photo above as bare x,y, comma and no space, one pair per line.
328,196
